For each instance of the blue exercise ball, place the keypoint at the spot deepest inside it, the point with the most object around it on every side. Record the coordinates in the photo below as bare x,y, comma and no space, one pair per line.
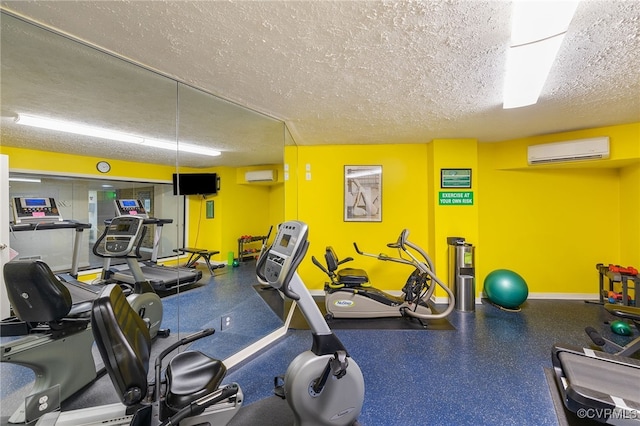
506,288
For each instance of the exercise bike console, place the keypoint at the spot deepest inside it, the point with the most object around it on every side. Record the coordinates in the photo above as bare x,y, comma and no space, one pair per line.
284,256
121,234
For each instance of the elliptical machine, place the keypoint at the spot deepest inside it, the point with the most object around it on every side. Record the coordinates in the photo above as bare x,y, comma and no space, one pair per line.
350,295
323,386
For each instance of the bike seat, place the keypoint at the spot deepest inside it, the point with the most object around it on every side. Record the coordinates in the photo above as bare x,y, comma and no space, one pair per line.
345,277
191,375
124,343
351,277
38,297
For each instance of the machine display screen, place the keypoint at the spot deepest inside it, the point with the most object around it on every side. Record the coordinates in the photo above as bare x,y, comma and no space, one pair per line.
123,228
35,202
284,241
129,203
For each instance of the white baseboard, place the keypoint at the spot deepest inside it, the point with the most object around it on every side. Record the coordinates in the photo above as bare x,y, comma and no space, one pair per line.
543,296
532,296
565,296
443,300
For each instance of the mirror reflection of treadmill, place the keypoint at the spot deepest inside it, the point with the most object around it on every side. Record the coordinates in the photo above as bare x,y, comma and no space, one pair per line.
42,214
161,277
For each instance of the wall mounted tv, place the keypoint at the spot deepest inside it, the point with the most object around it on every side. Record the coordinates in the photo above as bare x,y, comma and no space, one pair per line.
195,183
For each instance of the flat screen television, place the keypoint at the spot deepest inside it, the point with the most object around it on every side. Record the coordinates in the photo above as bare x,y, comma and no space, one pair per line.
195,183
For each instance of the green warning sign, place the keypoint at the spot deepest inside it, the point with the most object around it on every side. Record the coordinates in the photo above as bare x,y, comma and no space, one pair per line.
455,198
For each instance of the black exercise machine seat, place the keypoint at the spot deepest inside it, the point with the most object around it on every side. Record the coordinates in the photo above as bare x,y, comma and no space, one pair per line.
190,376
55,341
605,384
37,296
349,277
125,344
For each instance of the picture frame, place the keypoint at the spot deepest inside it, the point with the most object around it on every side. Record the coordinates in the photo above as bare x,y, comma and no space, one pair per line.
455,178
363,193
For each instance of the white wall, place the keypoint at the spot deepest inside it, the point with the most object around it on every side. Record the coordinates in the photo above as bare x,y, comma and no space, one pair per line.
4,231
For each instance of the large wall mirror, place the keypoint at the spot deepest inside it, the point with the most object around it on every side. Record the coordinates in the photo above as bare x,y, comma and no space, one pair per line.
45,74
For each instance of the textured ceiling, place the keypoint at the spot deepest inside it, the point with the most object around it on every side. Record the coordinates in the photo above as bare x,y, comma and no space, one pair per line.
359,72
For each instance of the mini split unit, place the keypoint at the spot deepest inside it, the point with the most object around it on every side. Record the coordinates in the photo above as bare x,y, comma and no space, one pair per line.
260,176
577,150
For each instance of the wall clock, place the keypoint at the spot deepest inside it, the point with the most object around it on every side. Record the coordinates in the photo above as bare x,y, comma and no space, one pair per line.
103,167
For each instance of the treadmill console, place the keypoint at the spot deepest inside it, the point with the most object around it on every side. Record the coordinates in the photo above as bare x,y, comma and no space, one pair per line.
35,210
130,208
121,235
285,253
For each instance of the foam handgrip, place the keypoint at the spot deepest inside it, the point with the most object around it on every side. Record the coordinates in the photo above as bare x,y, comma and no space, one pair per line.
595,336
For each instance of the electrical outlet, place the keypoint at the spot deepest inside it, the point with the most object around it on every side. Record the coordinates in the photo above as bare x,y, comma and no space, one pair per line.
225,322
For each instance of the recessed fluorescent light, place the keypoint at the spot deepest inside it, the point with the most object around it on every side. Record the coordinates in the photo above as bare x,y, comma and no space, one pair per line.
537,20
30,180
538,28
81,129
527,69
75,128
182,147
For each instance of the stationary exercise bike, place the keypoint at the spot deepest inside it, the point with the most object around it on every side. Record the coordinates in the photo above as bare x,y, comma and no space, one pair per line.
189,394
349,293
323,386
55,337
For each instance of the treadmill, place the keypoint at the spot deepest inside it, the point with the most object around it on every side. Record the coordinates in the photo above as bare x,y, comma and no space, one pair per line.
162,278
598,385
42,214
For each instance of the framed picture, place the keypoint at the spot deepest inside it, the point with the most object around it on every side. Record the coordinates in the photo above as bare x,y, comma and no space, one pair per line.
455,178
363,193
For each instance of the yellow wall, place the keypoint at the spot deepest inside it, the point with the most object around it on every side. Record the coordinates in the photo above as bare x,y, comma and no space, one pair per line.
291,182
550,223
551,226
630,215
239,209
553,223
451,220
55,162
321,203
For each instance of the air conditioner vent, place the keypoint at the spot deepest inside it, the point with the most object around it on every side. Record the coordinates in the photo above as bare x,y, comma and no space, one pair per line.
260,176
577,150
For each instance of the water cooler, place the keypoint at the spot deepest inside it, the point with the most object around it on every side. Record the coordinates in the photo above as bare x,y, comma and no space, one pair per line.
462,279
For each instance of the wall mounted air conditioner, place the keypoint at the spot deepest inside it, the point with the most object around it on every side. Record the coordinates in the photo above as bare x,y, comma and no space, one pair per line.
576,150
260,176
